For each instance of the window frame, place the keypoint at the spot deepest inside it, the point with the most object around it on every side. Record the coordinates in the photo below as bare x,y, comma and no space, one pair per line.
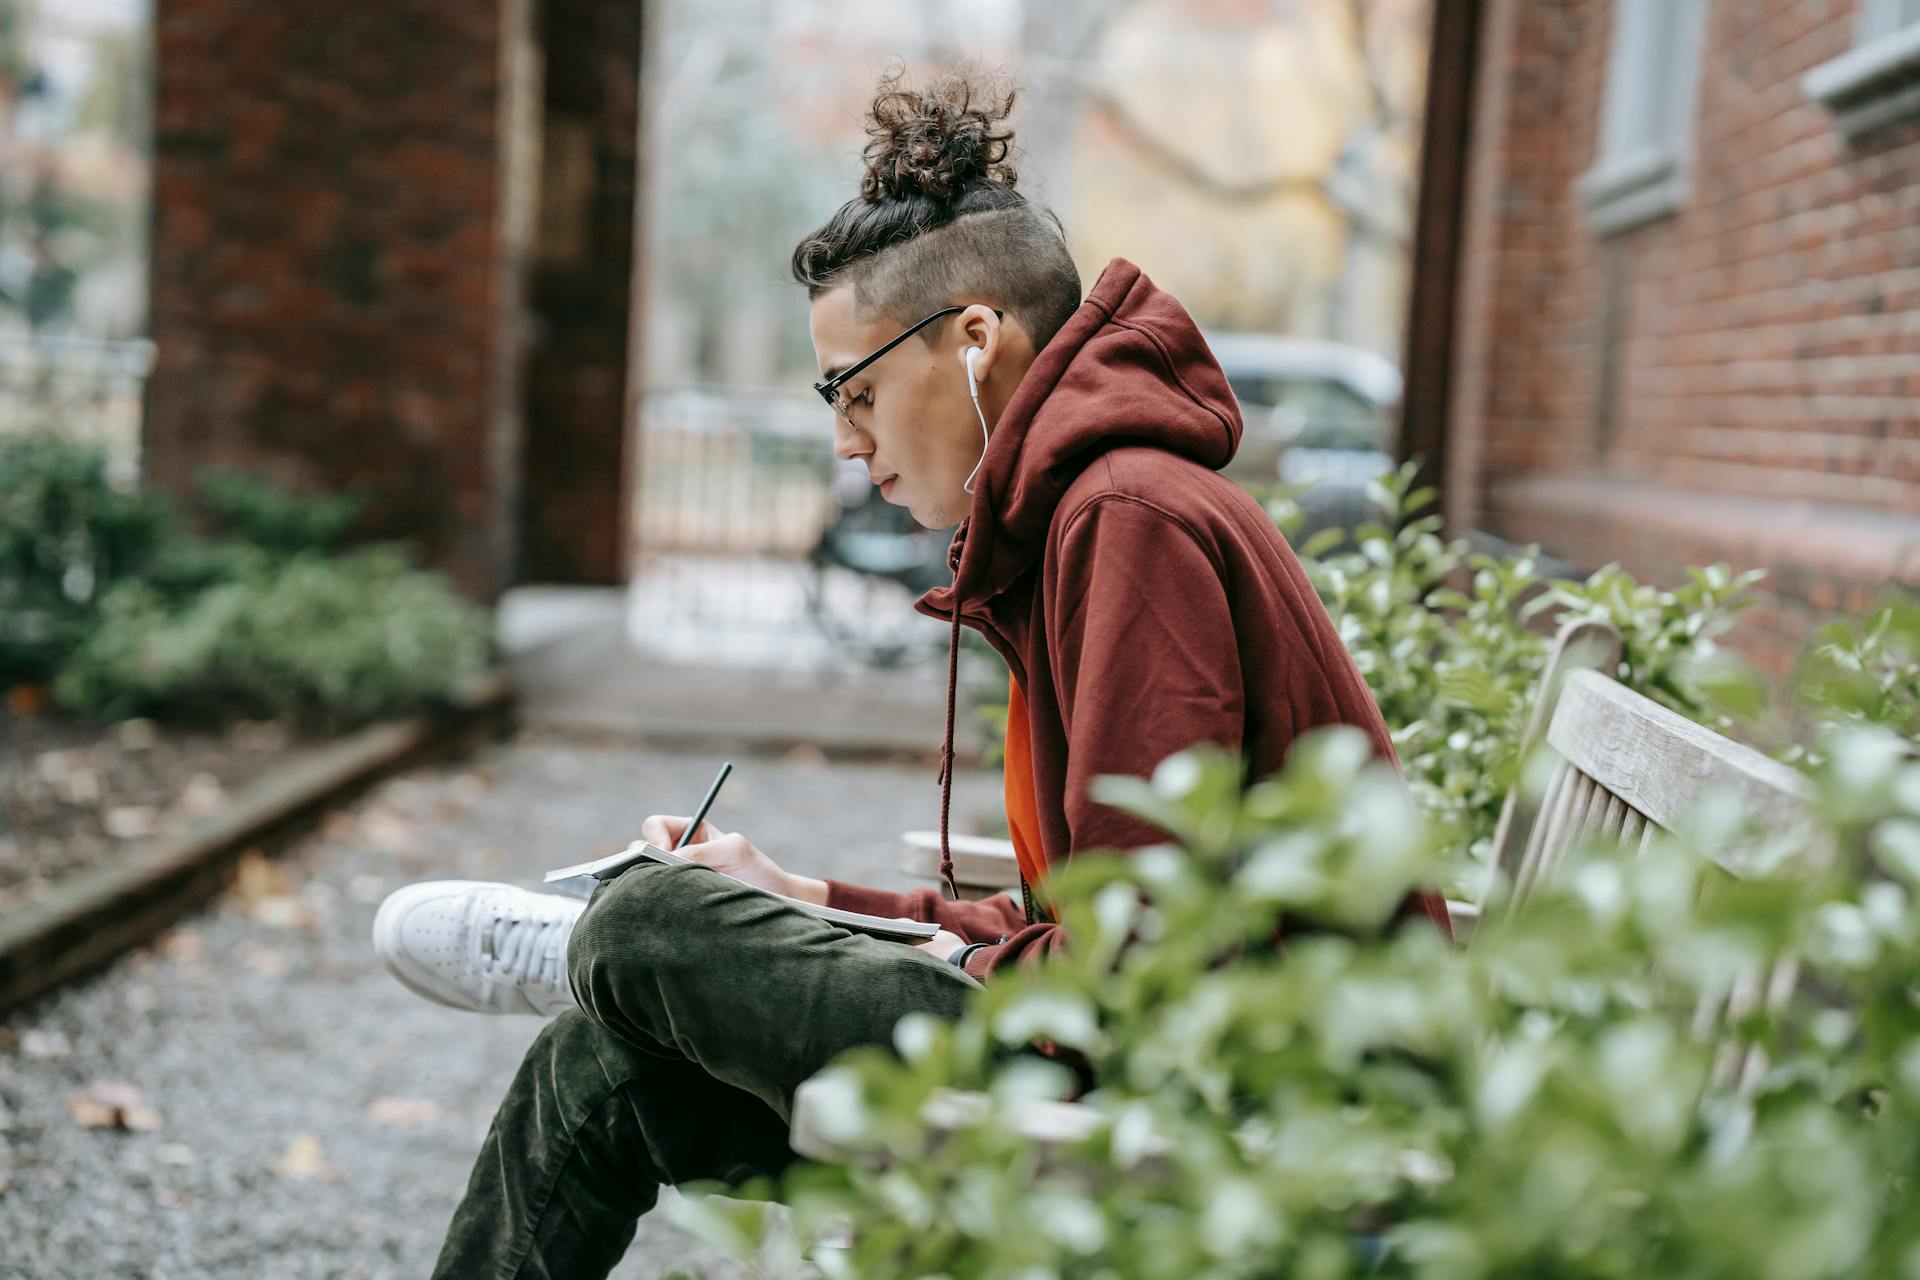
1642,167
1877,82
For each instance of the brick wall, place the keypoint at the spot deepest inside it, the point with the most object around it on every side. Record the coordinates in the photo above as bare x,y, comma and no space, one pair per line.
351,276
1736,381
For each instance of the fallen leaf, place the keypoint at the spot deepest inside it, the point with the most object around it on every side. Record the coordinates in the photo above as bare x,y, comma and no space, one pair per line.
89,1114
256,877
45,1044
283,911
130,822
304,1160
404,1112
469,788
388,831
28,699
267,889
112,1104
202,795
185,945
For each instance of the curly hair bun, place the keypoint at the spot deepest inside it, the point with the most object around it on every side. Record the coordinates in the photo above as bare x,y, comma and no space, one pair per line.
935,142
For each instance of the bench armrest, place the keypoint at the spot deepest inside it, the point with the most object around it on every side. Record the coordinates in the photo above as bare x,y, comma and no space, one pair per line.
980,863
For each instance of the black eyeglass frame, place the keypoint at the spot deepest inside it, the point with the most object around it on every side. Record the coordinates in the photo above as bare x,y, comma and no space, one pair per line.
830,389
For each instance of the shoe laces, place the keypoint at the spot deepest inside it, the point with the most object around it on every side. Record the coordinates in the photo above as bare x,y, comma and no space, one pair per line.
523,945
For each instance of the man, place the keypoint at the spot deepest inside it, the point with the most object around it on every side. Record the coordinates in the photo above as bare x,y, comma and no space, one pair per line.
1143,603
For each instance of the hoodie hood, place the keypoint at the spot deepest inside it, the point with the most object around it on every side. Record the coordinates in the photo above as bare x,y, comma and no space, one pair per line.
1128,368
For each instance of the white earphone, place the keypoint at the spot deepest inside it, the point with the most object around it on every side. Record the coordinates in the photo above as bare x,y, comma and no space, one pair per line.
973,389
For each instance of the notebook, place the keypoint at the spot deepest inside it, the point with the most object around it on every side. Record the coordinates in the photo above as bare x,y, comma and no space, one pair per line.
580,879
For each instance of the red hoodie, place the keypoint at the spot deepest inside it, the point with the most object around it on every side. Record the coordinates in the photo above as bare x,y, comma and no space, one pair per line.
1143,601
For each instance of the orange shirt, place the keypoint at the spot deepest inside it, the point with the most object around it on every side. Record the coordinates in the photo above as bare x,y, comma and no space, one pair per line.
1023,811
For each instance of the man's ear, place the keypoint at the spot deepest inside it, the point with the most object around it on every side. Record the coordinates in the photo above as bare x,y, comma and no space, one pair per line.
979,327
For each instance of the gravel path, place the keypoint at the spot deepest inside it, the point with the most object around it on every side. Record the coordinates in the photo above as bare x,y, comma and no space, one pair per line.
293,1111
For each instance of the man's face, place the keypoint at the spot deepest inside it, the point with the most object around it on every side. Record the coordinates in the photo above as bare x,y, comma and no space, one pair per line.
911,417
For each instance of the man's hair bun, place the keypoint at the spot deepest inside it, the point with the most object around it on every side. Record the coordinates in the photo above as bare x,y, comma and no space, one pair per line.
937,141
937,218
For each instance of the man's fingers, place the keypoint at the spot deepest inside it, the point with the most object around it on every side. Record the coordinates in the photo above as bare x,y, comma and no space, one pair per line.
662,830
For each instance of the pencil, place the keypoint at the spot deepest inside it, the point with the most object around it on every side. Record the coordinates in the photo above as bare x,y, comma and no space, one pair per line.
700,814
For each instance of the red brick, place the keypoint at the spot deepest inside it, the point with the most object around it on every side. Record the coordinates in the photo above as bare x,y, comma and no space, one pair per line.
328,271
1766,353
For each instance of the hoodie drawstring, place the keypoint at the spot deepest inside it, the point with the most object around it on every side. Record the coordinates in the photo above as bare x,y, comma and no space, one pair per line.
946,755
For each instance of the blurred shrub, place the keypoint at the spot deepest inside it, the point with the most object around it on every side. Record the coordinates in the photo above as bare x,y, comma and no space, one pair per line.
326,641
260,515
1453,644
1868,669
65,536
1379,1103
130,615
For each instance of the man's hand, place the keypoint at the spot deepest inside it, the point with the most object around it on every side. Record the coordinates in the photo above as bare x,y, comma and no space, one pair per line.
942,944
731,854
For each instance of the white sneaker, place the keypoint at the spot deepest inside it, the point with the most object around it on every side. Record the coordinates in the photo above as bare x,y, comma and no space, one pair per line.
479,946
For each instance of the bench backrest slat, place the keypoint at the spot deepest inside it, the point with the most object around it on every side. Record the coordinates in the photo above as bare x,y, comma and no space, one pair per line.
1627,768
1660,763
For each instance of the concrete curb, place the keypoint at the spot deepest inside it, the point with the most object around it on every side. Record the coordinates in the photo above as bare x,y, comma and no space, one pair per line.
84,921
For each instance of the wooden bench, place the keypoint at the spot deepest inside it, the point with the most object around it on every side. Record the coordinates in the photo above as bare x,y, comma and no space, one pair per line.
1624,767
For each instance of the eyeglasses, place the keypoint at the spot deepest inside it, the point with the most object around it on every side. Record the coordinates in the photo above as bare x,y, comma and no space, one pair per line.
830,389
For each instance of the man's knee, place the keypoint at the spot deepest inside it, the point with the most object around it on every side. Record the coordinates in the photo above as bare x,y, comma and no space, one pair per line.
643,919
566,1053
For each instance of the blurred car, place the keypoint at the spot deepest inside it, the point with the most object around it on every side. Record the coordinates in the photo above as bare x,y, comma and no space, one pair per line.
1317,413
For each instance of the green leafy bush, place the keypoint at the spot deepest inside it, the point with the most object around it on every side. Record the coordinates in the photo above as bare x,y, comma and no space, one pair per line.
260,515
1453,643
1868,670
328,641
66,535
102,592
1378,1103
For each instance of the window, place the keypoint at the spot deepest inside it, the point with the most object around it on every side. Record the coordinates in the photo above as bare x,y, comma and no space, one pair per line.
1878,80
1646,125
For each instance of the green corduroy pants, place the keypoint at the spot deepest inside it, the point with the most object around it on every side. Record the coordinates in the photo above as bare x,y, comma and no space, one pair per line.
703,1005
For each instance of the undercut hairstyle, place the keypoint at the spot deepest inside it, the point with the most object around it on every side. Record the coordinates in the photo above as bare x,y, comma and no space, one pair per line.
938,220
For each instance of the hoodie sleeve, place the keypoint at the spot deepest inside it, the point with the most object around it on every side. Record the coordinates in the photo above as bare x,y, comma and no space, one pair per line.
1146,663
983,920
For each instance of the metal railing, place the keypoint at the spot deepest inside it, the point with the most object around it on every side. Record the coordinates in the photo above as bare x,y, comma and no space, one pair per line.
83,389
736,489
731,471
